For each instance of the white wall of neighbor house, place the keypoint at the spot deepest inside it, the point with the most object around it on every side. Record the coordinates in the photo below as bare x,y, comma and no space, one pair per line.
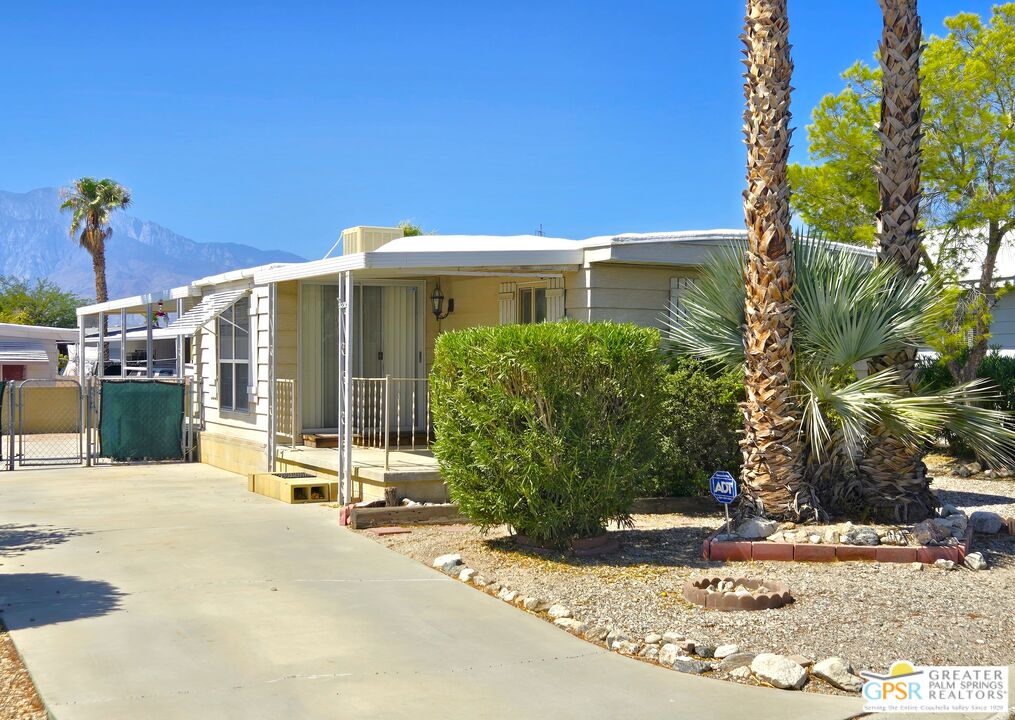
1002,326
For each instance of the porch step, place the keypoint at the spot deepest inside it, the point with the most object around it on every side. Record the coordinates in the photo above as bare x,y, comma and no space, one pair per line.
293,487
321,440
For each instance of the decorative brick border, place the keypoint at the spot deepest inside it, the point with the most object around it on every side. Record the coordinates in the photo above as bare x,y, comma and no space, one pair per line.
744,550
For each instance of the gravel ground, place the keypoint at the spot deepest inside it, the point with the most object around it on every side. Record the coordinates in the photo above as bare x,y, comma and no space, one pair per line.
870,613
18,699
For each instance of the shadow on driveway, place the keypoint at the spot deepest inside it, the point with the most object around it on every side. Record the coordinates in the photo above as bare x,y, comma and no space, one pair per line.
34,599
20,539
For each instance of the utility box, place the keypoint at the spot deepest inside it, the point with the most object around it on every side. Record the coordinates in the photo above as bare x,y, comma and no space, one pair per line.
367,238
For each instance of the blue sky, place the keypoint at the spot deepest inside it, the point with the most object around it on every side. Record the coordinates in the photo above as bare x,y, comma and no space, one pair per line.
278,123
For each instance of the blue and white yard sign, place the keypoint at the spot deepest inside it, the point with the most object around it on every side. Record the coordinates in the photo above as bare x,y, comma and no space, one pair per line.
723,487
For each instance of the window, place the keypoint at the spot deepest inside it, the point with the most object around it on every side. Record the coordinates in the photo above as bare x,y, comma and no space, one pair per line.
532,305
234,356
679,287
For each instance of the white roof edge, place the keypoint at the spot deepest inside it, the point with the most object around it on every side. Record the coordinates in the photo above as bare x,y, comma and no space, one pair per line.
43,332
309,269
123,303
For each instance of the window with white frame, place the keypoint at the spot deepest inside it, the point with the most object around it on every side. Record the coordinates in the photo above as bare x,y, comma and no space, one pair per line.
532,304
234,357
679,287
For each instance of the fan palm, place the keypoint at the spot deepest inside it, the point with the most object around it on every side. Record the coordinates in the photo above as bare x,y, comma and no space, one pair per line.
846,313
90,203
772,474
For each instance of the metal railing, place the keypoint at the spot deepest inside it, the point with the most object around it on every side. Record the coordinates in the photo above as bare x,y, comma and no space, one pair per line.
391,413
285,410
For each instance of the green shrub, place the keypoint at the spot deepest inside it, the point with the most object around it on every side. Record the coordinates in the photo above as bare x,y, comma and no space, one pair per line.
547,427
998,368
700,428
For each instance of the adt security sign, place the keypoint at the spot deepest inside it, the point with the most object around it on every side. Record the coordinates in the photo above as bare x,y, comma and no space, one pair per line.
723,487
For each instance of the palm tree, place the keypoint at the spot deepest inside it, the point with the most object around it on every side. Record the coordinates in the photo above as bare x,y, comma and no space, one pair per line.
773,477
90,203
846,313
895,481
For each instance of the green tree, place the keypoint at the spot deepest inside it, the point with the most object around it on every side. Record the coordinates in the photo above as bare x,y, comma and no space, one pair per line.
968,170
411,229
43,303
90,203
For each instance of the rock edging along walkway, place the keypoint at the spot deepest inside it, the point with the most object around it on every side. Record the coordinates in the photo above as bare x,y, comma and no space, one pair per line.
671,649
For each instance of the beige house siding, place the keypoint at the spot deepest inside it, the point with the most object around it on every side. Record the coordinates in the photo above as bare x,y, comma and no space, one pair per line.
622,293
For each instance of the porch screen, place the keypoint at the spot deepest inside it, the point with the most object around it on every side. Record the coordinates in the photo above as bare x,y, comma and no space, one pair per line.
141,420
319,361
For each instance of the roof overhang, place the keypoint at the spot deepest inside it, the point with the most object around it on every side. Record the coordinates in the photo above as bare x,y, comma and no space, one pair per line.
139,303
430,263
23,351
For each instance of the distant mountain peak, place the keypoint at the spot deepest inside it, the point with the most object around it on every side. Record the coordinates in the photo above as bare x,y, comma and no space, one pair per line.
141,256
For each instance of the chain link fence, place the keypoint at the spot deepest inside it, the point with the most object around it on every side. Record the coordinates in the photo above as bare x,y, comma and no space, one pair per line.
58,422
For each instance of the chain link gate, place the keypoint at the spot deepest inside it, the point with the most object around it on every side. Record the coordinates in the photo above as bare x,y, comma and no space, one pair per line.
45,423
140,420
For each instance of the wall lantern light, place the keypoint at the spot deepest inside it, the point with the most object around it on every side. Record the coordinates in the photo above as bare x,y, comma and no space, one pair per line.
437,303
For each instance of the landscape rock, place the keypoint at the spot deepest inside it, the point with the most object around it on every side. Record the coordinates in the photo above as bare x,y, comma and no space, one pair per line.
559,611
943,564
575,626
507,594
626,647
947,509
779,671
705,651
688,665
653,639
916,566
615,637
837,672
669,653
756,528
671,636
494,587
466,574
975,561
724,651
801,660
742,673
861,536
814,539
446,563
986,522
597,633
687,646
531,603
650,651
973,468
831,536
931,532
736,660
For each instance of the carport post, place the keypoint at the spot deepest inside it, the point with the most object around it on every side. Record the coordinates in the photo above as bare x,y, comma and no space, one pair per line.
100,362
148,341
180,344
123,342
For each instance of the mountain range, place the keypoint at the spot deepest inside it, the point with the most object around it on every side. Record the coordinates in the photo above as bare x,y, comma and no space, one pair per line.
141,256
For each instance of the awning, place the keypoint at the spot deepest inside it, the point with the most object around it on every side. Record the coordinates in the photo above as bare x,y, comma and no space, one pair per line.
23,351
210,307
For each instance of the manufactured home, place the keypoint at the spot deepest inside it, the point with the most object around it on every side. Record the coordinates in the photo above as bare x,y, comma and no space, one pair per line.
32,352
322,366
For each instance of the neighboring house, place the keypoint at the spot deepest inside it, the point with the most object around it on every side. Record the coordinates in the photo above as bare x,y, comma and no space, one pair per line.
31,352
293,357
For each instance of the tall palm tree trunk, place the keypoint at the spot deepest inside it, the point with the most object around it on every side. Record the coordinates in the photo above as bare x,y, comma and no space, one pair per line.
773,477
99,268
893,479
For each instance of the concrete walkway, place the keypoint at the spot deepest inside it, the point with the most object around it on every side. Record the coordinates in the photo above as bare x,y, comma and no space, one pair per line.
172,592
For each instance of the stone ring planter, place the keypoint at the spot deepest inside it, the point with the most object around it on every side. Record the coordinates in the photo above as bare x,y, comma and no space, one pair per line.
704,591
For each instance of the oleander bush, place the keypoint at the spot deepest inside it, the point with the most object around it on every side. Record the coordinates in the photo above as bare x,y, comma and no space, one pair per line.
548,428
700,428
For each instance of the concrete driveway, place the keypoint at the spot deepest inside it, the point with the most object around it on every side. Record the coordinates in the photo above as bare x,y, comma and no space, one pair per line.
172,592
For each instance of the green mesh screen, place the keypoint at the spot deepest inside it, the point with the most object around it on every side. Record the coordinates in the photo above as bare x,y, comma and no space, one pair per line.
141,420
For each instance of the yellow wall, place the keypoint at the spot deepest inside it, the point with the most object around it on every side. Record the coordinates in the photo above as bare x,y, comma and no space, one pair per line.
47,409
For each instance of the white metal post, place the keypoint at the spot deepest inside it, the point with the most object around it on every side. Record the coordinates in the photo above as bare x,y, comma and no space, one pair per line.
148,344
387,417
272,380
123,343
101,360
181,362
345,385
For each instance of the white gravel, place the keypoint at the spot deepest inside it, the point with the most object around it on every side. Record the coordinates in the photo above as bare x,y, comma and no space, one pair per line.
869,613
